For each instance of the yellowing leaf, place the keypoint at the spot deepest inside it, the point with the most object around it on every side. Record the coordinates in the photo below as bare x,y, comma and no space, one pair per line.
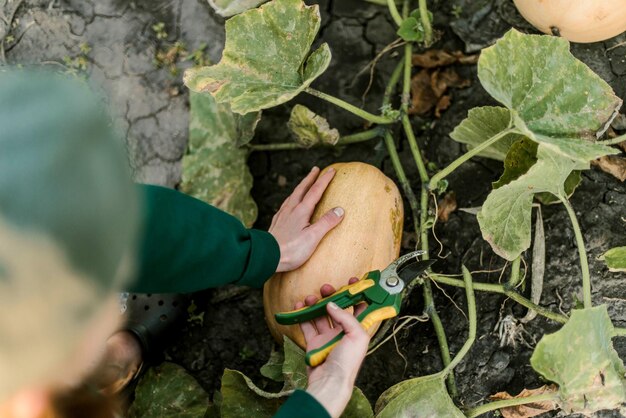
310,129
227,8
555,99
420,397
615,259
580,358
505,216
214,168
530,409
266,58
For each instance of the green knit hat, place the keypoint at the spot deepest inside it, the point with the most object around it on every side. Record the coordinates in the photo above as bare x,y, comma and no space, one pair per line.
68,219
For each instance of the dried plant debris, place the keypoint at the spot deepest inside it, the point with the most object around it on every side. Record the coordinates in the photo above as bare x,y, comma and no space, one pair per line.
430,85
612,164
434,58
446,206
530,409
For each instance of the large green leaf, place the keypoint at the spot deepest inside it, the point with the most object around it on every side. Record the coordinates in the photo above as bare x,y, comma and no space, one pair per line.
615,259
265,59
505,216
273,369
294,367
227,8
581,359
214,168
358,407
239,400
521,157
555,99
481,124
169,391
310,129
425,396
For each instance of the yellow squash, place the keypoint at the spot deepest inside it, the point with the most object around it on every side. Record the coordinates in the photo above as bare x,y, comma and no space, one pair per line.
576,20
367,239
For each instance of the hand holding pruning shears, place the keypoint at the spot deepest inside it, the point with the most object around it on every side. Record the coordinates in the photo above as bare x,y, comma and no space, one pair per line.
381,291
337,343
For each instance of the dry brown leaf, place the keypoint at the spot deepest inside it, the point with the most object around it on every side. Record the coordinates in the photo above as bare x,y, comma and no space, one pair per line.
530,409
428,88
423,98
439,58
614,165
446,206
443,103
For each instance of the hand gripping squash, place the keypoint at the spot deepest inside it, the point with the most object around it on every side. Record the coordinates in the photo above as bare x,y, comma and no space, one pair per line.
367,239
576,20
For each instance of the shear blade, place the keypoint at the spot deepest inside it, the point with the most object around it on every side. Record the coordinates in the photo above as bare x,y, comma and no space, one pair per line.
411,271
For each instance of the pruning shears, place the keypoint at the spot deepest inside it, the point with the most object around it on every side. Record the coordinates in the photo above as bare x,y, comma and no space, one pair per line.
380,290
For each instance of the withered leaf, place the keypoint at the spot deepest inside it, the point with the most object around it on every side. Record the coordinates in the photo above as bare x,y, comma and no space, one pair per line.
614,165
446,206
439,58
428,88
530,409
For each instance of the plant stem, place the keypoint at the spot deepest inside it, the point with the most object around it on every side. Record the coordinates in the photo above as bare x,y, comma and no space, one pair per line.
428,30
429,303
492,406
404,182
344,140
434,182
391,85
515,277
497,288
582,253
613,141
350,108
471,312
391,4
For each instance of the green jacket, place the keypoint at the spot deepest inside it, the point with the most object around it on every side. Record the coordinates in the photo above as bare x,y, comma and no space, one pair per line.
189,245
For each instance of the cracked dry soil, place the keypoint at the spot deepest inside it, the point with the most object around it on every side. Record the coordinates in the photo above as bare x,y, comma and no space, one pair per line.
151,109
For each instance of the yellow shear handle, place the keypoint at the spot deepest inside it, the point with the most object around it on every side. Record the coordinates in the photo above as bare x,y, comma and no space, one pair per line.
317,358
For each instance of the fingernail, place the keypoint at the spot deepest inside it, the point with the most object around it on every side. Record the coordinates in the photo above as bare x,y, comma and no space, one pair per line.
338,211
331,170
333,305
314,168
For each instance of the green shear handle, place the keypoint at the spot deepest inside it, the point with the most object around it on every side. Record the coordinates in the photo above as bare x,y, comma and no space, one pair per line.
381,291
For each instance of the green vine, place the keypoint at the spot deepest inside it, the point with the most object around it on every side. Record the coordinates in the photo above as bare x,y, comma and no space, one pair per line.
383,120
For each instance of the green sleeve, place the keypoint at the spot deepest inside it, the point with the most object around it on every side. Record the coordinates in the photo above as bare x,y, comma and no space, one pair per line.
188,245
302,405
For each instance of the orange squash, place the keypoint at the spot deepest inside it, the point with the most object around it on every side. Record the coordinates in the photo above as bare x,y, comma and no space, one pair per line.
576,20
368,238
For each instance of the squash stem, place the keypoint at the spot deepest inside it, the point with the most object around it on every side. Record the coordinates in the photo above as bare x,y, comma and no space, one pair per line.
434,182
613,141
515,277
512,294
428,29
422,231
344,140
492,406
471,312
582,253
382,120
391,5
404,182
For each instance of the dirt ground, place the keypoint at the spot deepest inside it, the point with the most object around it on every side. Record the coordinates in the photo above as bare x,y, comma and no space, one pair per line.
151,106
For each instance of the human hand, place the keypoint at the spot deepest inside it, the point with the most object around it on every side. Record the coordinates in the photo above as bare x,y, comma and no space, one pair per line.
332,382
296,236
